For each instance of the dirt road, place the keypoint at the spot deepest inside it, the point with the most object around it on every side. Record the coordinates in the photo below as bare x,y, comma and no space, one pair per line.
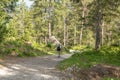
31,68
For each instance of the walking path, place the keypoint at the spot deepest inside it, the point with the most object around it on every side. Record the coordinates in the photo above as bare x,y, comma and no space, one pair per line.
31,68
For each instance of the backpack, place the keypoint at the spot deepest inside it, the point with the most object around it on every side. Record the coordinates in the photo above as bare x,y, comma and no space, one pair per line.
59,47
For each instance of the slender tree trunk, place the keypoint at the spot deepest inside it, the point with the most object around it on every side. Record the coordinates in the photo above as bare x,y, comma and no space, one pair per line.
22,20
67,35
64,31
49,24
74,34
81,33
108,39
98,27
102,36
49,29
81,30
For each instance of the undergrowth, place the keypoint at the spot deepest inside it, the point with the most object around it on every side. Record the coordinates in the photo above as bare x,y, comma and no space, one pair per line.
88,58
21,49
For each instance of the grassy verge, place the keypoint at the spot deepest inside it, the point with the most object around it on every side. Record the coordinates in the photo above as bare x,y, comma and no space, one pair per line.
111,79
88,58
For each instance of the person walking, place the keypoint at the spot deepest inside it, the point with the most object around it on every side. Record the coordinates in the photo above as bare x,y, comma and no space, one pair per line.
59,47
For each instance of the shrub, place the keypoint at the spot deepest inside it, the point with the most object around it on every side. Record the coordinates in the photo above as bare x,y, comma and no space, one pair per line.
20,48
49,45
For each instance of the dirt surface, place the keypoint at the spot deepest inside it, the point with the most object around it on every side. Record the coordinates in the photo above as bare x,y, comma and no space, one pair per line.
31,68
96,72
43,68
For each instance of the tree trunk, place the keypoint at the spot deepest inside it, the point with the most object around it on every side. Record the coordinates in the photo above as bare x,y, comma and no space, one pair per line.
74,35
49,24
67,35
81,33
49,29
64,32
102,36
83,21
22,31
98,27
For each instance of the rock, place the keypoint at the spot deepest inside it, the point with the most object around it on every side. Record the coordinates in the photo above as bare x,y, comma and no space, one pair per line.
54,40
13,53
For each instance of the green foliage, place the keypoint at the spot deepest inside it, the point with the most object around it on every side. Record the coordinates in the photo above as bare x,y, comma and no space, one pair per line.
65,49
20,48
110,50
111,79
49,45
79,17
88,58
78,47
6,7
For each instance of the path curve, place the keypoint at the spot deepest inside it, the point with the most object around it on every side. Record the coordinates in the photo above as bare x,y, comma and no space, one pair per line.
31,68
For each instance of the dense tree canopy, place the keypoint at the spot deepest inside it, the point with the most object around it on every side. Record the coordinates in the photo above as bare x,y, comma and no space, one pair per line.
72,22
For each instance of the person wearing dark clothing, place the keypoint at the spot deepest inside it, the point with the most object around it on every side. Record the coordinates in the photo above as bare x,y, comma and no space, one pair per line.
59,50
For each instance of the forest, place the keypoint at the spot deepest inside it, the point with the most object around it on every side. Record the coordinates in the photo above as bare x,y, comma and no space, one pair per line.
88,28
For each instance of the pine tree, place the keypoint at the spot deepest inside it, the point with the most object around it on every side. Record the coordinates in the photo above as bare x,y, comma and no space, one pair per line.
101,13
6,9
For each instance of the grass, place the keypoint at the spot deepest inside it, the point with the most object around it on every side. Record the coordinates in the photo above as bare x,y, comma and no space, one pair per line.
111,79
88,58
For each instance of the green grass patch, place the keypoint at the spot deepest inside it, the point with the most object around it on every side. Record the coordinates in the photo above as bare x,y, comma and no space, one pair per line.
111,79
88,58
80,47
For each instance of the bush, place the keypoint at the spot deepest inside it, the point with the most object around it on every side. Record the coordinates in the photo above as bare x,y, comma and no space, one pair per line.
110,50
49,45
20,48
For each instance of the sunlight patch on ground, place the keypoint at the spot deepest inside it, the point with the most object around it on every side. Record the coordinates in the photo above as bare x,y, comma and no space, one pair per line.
32,70
19,67
6,72
1,66
46,76
14,67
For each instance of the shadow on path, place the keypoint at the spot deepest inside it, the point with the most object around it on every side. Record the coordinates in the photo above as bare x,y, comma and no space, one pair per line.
31,68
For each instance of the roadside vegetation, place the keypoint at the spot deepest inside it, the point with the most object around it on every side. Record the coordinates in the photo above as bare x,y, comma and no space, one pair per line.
88,57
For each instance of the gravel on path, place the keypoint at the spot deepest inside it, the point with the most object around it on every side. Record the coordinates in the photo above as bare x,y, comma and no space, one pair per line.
32,68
